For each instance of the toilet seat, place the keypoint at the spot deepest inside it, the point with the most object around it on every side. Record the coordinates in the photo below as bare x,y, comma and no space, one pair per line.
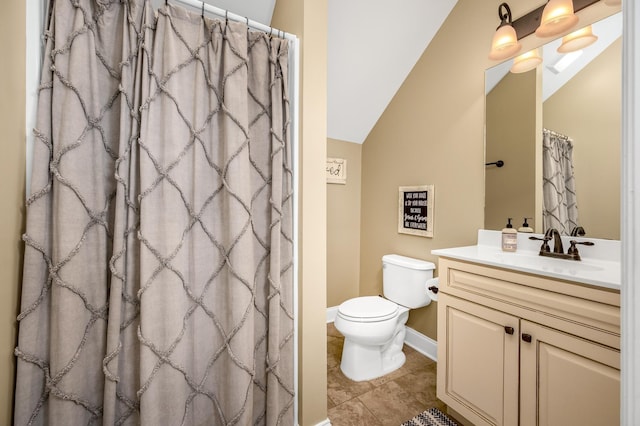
368,309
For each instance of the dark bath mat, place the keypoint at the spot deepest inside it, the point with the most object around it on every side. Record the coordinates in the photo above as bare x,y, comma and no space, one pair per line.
431,417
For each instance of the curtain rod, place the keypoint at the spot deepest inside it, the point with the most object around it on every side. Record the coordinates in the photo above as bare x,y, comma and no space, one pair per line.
198,6
556,134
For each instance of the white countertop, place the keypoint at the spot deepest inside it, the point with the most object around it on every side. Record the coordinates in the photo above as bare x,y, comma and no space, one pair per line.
600,264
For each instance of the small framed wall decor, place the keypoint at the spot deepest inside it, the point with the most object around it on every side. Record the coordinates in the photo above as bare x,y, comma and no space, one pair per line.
337,170
415,210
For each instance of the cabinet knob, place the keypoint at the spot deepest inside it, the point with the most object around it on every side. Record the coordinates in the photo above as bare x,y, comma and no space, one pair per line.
508,330
526,337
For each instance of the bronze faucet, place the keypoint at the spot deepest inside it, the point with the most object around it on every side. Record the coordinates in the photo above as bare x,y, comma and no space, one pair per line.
578,231
558,249
573,250
557,240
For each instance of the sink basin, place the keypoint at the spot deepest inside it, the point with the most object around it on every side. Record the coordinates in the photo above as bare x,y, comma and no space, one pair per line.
537,262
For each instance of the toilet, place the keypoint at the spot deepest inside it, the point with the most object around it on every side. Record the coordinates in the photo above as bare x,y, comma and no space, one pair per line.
374,327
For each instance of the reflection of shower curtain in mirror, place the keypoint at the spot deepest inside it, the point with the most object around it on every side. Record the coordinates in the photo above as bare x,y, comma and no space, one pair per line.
560,210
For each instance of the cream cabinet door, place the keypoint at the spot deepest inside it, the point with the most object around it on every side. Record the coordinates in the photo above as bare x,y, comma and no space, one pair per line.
566,380
478,361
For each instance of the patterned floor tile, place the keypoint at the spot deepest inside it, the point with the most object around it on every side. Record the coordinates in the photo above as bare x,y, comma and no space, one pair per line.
392,404
352,413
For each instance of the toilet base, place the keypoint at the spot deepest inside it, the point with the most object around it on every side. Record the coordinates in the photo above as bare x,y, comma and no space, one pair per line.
366,362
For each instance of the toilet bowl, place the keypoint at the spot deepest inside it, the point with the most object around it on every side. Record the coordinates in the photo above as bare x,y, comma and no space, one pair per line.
374,326
374,331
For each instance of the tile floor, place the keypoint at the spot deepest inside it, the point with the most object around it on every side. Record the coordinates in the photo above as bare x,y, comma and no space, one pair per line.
388,400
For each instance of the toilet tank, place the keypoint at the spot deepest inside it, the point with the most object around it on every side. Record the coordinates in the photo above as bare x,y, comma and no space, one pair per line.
404,280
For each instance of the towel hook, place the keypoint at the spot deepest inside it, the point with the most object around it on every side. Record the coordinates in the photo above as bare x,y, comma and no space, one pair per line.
202,12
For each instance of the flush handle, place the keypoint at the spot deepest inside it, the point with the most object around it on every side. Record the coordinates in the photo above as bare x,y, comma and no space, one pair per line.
526,337
508,330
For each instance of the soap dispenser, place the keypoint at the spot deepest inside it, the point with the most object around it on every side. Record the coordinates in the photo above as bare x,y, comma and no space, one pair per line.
525,227
509,237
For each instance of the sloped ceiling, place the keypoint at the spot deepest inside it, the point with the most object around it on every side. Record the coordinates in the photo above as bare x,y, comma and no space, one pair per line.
372,47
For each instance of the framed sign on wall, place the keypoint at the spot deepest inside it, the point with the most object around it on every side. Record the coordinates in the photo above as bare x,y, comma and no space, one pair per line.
415,210
337,170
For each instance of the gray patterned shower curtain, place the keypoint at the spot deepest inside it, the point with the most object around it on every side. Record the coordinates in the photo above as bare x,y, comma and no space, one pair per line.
158,263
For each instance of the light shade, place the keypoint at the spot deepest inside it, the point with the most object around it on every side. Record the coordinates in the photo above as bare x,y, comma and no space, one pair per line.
526,61
577,40
557,17
505,41
504,44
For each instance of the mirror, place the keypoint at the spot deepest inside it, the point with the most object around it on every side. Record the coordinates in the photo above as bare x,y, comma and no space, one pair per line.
583,102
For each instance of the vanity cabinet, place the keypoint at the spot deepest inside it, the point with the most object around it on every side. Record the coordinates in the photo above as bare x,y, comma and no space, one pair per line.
523,349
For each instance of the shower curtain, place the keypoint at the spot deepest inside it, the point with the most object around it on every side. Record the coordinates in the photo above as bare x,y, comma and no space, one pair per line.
158,275
560,210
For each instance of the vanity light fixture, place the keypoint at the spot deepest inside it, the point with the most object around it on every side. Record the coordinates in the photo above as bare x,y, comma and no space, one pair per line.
505,41
557,17
526,61
577,40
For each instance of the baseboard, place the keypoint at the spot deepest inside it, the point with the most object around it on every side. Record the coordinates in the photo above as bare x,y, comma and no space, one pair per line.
332,312
421,343
418,341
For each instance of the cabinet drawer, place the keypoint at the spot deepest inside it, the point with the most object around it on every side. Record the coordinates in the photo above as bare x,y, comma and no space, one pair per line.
592,313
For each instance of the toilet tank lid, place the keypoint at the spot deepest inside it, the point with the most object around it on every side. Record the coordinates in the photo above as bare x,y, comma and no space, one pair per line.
408,262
